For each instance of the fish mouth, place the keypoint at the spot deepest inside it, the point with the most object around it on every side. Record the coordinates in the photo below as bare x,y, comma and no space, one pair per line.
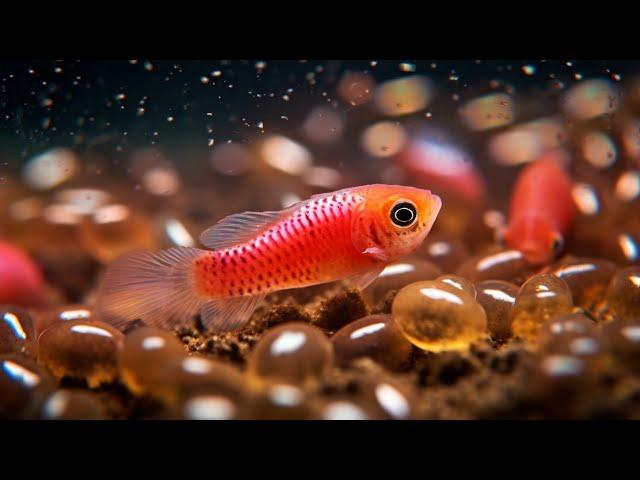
533,255
436,204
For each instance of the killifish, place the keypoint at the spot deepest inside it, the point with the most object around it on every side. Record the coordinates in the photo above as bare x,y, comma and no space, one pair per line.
349,234
541,210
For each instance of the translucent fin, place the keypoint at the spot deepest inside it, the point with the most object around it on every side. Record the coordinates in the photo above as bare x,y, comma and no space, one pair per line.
377,253
226,314
363,280
239,228
154,287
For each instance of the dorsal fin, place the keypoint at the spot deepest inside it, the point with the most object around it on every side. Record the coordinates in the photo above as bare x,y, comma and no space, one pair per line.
239,228
242,227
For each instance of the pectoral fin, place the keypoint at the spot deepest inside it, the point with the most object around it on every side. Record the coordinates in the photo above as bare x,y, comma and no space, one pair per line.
363,280
377,253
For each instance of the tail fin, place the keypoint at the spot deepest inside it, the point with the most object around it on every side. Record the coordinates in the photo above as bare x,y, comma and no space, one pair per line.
155,287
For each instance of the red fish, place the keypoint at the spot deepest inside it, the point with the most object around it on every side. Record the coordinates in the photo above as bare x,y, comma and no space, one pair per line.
443,165
542,209
21,282
352,233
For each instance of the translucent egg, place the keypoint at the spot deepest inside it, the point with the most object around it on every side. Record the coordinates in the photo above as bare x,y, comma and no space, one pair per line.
390,399
356,88
573,334
622,246
63,314
403,96
115,229
343,409
377,337
489,111
539,299
294,352
283,401
624,341
145,352
508,265
17,331
560,374
587,278
435,316
576,324
72,405
623,294
497,297
460,283
23,386
209,406
85,349
397,275
182,379
447,252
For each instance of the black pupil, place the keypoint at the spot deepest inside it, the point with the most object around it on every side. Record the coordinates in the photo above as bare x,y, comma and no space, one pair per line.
403,214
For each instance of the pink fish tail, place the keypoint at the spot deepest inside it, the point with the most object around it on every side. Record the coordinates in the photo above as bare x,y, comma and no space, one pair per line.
157,288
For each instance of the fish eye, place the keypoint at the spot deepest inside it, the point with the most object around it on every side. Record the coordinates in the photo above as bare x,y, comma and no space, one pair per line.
404,214
557,243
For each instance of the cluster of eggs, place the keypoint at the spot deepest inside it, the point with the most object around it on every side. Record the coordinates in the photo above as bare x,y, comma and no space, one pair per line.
39,353
556,314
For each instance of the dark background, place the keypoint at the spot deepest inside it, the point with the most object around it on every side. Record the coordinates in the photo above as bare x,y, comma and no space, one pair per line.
66,103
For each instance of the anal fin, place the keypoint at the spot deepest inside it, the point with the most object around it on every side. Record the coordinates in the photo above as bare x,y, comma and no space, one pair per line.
227,314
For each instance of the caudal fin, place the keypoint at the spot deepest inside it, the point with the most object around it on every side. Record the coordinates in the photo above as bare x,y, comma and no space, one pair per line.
157,288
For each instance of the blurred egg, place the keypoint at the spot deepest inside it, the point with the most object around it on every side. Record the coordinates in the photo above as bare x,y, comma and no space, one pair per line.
24,385
383,139
628,186
286,155
356,88
17,331
115,229
487,112
515,147
403,96
51,168
631,139
523,143
599,150
591,98
73,405
83,201
161,181
323,177
25,209
323,125
177,233
231,159
585,198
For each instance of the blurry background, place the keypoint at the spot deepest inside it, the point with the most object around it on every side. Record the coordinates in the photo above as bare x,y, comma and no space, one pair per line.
104,156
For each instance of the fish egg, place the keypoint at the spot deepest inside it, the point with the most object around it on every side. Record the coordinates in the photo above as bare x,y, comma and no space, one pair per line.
294,352
623,294
23,385
435,316
145,352
539,299
377,337
497,297
85,349
17,331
